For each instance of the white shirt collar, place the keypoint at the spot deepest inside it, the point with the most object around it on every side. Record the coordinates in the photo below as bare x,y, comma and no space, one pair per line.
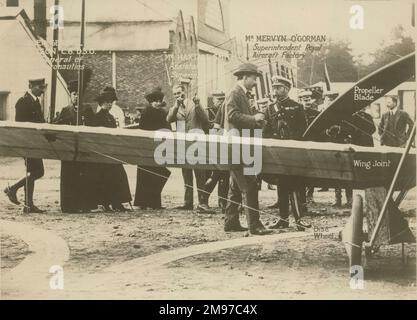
33,96
98,109
243,87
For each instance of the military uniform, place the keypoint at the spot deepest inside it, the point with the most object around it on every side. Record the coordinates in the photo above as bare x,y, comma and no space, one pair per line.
286,120
29,109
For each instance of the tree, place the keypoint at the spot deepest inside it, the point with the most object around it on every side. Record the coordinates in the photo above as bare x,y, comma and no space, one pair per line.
396,47
337,55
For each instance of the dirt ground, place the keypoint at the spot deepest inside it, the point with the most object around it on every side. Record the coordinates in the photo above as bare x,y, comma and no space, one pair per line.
171,254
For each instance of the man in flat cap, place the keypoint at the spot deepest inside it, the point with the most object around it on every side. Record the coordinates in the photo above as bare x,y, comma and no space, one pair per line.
309,107
216,177
238,116
286,120
29,109
218,102
190,113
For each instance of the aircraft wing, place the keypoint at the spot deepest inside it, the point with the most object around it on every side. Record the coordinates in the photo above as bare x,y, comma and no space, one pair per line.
317,163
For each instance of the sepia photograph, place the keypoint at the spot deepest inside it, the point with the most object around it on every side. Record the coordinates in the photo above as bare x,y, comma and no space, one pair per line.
207,150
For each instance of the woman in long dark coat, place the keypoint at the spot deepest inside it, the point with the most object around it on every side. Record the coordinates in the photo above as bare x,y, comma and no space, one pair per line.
151,180
110,182
74,199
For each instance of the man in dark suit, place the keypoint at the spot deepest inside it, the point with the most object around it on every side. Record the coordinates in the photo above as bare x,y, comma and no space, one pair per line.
395,126
28,109
238,116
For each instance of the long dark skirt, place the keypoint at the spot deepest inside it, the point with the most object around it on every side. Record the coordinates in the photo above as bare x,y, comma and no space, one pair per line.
149,184
108,184
71,183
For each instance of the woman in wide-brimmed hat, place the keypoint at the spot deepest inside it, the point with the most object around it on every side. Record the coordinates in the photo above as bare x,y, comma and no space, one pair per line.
109,182
151,180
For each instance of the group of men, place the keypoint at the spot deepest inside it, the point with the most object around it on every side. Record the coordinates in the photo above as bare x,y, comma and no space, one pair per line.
279,117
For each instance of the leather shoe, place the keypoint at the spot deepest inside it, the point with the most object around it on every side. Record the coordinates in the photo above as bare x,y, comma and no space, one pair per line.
203,208
120,208
278,224
32,209
11,194
302,225
235,228
260,231
274,206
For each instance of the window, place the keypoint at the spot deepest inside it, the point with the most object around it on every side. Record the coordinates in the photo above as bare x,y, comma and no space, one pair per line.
214,15
12,3
3,105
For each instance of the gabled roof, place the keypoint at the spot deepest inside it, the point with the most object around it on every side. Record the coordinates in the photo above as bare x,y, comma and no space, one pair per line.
8,19
7,13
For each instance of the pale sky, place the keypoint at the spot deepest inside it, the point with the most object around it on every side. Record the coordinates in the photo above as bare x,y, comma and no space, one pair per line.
327,17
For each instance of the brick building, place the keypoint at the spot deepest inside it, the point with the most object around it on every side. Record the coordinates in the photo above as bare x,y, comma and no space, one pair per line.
134,57
141,44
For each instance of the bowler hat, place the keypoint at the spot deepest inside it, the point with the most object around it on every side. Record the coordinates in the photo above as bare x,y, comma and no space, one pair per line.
247,68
